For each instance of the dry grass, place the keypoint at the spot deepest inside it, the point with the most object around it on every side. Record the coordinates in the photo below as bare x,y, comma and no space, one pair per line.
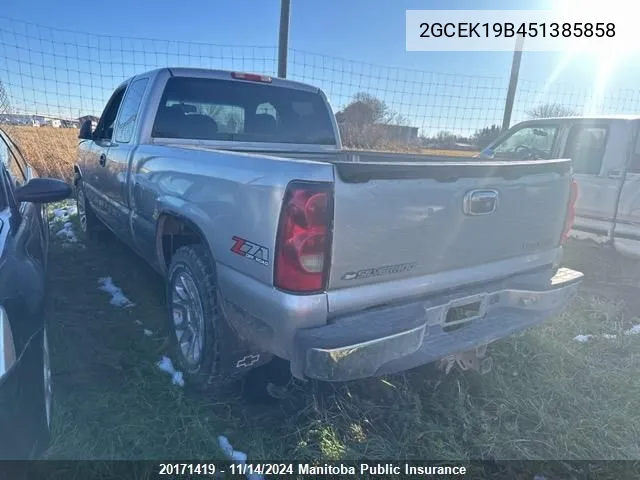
448,153
548,396
50,151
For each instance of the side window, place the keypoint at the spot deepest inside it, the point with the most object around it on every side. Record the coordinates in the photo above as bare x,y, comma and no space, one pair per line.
4,195
129,110
9,157
528,143
104,130
10,186
585,147
634,164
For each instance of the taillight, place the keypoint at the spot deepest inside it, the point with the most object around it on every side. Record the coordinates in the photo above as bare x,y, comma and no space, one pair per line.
304,238
571,212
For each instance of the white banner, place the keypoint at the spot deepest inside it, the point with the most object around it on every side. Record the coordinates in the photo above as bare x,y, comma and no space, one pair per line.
564,29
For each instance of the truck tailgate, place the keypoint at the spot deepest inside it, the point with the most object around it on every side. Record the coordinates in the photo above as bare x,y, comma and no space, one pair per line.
394,221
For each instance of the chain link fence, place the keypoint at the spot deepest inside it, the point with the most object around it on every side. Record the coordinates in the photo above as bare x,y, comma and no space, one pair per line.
52,76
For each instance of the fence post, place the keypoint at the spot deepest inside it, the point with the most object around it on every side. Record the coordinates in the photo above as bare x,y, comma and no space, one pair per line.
513,82
283,40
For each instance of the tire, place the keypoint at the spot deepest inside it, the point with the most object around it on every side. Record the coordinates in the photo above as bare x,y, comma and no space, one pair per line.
43,394
47,388
89,223
192,297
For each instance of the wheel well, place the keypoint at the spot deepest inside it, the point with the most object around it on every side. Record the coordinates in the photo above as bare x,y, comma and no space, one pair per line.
76,174
175,232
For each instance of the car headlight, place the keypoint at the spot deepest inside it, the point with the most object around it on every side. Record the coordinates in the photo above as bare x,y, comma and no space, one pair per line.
7,347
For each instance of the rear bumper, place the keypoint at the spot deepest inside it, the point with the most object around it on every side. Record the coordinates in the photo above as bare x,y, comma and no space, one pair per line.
397,338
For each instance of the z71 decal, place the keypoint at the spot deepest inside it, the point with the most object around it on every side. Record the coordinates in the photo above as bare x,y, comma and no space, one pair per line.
251,250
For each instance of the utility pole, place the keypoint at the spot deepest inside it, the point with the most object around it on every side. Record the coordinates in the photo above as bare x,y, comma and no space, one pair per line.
283,40
513,82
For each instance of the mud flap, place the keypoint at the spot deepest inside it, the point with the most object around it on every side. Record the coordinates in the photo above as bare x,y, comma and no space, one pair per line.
475,359
238,355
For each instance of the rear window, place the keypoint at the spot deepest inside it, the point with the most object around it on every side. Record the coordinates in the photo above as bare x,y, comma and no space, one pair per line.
212,109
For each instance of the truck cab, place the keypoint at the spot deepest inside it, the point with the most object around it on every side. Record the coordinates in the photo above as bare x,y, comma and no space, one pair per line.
605,154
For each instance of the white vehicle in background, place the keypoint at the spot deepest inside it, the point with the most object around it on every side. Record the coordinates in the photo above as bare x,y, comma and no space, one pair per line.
605,151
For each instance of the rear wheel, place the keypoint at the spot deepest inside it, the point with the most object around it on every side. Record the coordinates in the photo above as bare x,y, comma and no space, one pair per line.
200,332
89,223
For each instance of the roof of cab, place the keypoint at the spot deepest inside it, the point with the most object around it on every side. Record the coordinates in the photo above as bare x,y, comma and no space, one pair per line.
226,75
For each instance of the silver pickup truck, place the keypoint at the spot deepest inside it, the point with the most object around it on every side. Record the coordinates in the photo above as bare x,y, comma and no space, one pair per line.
276,242
605,151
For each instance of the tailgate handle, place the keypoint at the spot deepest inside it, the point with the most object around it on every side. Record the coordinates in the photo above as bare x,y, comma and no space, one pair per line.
480,202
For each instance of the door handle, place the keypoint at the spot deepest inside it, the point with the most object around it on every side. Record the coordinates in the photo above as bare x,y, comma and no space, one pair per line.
103,160
614,174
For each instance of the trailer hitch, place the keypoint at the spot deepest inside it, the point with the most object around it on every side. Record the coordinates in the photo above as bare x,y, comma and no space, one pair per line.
476,359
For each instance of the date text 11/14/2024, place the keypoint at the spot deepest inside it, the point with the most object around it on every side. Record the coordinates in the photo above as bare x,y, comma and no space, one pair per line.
177,470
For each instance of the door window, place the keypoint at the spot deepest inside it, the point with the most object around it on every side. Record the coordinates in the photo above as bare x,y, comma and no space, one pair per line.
12,161
129,110
528,143
104,130
585,147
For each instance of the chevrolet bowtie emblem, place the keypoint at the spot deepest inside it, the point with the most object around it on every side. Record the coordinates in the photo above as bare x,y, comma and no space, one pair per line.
247,361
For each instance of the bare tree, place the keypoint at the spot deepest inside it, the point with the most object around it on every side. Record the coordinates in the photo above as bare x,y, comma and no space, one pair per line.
364,109
551,110
368,122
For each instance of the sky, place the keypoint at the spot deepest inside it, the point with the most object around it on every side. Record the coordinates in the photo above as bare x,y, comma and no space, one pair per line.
65,57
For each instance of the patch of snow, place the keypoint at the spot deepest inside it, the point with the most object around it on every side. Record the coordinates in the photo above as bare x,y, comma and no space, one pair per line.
63,213
67,233
225,446
635,330
235,455
599,239
117,297
582,338
166,366
148,333
60,212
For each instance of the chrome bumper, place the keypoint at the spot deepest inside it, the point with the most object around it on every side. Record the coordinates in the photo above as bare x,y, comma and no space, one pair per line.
397,338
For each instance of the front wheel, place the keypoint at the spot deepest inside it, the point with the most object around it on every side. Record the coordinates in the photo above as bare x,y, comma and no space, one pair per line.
48,379
43,393
89,223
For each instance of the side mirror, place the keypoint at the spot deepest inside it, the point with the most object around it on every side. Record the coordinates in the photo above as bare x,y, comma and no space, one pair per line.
7,347
43,190
86,131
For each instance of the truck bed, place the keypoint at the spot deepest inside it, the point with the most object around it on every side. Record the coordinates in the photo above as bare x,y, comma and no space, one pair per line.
400,215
